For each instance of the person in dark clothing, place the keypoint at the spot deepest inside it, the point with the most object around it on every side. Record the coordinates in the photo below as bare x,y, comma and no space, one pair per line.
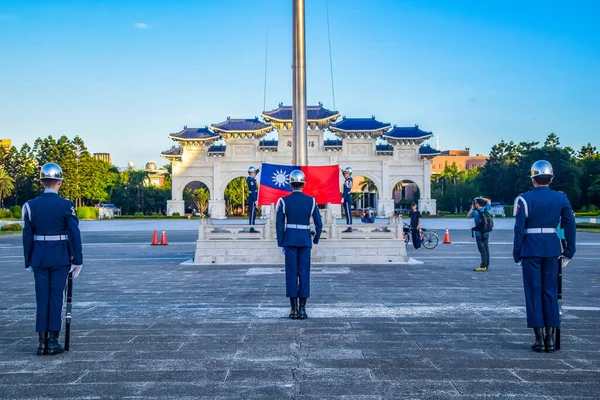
481,205
415,226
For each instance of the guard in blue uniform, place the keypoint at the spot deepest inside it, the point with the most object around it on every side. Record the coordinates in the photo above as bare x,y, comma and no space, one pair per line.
537,247
252,197
347,198
294,237
52,249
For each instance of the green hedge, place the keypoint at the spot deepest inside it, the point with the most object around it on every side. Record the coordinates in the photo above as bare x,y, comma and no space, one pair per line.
5,214
87,213
16,211
11,227
588,225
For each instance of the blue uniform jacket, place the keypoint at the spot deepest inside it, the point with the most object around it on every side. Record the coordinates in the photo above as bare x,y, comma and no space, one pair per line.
252,189
543,208
50,214
348,183
297,209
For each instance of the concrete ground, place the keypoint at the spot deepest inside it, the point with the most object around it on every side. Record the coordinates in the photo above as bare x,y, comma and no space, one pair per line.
145,326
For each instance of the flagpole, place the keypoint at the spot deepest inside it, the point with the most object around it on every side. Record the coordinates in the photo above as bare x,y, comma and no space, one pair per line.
299,136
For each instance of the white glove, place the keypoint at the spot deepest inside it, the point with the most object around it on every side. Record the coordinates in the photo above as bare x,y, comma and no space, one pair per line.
564,260
282,250
29,269
75,270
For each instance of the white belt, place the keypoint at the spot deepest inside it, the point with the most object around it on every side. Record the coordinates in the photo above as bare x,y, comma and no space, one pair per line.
294,226
50,238
540,230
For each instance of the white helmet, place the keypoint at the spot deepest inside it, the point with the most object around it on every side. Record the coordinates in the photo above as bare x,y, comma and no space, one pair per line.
541,168
51,171
348,170
297,176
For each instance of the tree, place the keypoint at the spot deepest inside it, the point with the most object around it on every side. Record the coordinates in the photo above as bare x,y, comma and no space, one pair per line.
552,142
587,151
235,193
6,186
200,198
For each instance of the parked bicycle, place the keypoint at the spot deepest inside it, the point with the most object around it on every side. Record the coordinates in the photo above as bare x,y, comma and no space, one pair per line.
429,239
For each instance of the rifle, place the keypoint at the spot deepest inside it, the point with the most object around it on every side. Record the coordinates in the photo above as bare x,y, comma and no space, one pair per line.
68,312
560,303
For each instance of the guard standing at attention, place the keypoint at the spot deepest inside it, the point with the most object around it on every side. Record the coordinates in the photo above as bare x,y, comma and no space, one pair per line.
294,236
252,197
537,247
346,197
52,249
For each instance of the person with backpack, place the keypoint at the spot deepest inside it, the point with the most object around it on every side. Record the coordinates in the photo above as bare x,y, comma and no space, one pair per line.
484,223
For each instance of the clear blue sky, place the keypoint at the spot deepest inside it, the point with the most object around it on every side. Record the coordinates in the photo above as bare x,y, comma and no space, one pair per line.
124,74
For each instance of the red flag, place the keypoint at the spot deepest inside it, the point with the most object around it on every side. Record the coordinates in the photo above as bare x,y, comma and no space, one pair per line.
322,182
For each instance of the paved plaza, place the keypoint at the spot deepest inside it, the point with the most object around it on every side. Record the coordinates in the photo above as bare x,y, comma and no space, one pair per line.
147,327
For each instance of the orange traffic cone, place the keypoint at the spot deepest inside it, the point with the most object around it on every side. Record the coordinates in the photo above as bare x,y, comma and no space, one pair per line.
447,237
154,239
163,239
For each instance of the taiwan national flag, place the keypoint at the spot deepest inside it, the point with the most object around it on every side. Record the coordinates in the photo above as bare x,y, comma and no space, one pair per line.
322,182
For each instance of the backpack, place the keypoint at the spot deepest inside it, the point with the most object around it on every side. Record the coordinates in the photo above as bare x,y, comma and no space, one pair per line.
486,222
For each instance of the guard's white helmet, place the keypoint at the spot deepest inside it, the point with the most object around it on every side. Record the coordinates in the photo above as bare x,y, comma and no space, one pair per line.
51,171
297,176
348,170
252,169
541,168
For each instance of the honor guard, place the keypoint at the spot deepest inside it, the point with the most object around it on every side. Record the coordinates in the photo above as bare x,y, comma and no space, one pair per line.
52,249
252,197
346,197
537,247
294,237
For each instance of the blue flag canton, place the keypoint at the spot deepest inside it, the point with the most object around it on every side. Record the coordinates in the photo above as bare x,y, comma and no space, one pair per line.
276,176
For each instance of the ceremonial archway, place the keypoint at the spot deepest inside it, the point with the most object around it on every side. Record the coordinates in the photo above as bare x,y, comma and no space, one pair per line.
196,196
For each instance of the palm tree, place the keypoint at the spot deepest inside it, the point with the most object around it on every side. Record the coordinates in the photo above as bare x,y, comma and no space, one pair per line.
139,179
7,185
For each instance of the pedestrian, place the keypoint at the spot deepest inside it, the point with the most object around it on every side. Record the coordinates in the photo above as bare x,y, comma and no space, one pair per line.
415,226
480,212
368,217
347,197
294,237
52,249
537,247
252,200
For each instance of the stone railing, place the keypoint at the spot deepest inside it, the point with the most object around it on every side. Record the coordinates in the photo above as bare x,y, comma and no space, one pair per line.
331,229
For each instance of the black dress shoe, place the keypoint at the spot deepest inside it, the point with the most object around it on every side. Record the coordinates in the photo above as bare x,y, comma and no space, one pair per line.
252,230
42,346
348,230
294,308
538,345
550,340
302,309
53,346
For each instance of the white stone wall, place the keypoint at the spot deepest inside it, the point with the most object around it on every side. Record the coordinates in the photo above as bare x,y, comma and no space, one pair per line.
360,154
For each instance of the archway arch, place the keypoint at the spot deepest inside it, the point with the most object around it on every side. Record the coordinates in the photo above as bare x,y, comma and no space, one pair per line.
206,181
405,191
196,195
365,192
235,194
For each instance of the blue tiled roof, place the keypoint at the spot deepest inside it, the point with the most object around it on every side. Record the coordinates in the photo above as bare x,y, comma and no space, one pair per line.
333,143
313,113
173,151
194,134
412,132
241,125
269,143
360,124
217,148
428,150
384,147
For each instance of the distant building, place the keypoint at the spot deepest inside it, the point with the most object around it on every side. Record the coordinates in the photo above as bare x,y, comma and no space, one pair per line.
6,143
462,158
103,157
155,175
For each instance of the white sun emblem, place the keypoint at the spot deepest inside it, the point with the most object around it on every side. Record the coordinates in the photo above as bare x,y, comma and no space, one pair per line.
280,178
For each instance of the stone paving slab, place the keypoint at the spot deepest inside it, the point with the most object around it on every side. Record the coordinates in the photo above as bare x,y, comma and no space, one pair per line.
146,327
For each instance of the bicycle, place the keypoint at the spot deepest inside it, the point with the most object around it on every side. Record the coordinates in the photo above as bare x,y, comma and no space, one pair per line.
429,239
